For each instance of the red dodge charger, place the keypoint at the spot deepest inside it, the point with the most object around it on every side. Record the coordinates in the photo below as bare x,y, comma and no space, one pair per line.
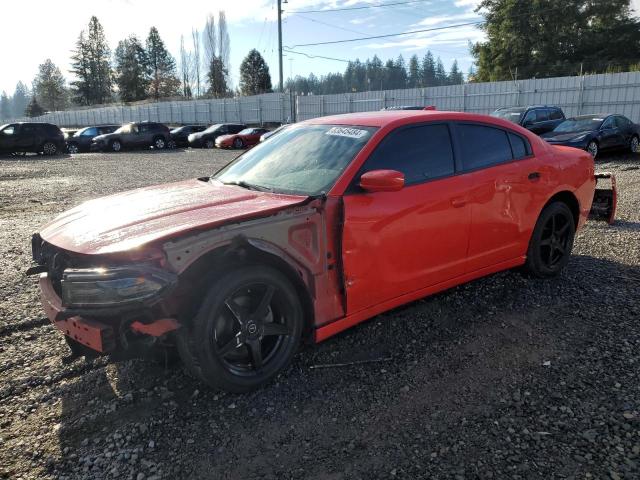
329,223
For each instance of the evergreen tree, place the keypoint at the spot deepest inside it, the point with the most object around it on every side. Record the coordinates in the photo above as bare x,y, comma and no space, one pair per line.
92,67
49,87
254,74
428,70
217,78
441,73
414,79
164,76
455,75
399,73
20,100
133,75
5,107
550,38
34,109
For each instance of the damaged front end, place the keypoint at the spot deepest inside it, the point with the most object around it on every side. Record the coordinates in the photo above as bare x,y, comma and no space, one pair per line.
605,199
115,309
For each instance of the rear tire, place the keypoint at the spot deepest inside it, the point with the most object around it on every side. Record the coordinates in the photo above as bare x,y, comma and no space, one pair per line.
209,144
551,241
49,148
159,143
246,331
635,144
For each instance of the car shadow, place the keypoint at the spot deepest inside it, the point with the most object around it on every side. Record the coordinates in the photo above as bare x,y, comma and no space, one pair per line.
458,345
33,156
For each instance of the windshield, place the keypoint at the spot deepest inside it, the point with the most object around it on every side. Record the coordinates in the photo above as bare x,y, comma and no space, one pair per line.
79,132
213,128
124,129
305,159
512,114
179,130
579,125
246,131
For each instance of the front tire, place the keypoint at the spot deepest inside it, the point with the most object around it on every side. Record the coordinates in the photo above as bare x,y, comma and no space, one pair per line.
115,146
238,143
593,148
246,331
551,241
159,143
73,148
635,144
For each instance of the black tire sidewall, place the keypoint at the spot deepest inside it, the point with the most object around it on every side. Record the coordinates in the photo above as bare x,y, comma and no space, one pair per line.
206,363
534,264
111,145
631,143
238,143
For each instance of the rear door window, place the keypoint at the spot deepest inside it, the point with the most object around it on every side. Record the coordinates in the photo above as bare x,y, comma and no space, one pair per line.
555,114
90,132
482,146
542,115
420,152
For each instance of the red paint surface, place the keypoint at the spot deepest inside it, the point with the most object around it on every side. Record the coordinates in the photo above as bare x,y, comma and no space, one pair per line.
129,220
248,140
156,328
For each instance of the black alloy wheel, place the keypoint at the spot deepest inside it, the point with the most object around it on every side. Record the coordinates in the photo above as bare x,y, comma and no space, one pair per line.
247,330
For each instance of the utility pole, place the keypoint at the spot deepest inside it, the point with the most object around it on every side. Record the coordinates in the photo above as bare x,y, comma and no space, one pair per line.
280,41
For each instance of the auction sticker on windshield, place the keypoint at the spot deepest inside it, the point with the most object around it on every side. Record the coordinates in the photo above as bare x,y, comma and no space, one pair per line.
347,132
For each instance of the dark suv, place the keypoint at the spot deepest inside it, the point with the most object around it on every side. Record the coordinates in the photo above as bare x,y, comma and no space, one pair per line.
207,138
539,118
133,135
80,141
31,137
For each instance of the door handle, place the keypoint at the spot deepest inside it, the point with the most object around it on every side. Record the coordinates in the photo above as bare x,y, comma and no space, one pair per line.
533,176
458,202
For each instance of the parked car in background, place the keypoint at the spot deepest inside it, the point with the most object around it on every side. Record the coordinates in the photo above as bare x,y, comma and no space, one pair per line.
538,118
81,140
243,139
595,133
68,132
332,221
207,138
180,135
23,137
133,135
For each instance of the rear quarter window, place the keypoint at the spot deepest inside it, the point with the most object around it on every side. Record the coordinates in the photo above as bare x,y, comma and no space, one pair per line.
519,146
483,146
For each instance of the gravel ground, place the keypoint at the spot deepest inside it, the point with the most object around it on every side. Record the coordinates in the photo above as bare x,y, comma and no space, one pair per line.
505,377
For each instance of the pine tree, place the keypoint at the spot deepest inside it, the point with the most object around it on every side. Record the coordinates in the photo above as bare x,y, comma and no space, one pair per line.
254,74
132,70
49,86
20,100
455,75
441,73
34,109
164,76
217,78
428,70
5,107
414,79
92,67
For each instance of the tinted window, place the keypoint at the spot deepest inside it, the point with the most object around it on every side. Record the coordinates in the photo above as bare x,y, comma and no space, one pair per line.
9,130
556,114
483,146
420,152
519,146
28,129
236,128
103,130
90,132
143,127
530,117
609,123
542,115
623,122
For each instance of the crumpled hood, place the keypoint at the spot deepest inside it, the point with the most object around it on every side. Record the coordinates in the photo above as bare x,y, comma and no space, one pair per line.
564,137
129,220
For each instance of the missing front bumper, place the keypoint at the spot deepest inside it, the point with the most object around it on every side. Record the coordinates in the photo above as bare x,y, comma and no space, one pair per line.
605,200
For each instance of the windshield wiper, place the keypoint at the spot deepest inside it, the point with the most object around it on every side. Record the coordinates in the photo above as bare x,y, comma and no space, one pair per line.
249,186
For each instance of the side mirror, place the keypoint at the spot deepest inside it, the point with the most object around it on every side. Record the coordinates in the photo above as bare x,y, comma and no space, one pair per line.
382,181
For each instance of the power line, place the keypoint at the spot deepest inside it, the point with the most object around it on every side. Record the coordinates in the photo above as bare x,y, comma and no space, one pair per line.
363,7
330,25
373,37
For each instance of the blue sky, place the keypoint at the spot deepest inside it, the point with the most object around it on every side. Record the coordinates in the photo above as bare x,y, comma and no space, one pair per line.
40,29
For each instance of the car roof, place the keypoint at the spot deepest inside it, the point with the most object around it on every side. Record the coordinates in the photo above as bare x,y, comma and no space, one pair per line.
389,117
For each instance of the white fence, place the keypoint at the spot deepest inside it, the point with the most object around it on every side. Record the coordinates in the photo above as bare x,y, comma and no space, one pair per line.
616,92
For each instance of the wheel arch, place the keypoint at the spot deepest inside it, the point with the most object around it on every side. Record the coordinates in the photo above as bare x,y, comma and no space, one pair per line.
199,274
568,198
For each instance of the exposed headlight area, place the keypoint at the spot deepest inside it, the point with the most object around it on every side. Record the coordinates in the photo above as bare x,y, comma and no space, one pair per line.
114,286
